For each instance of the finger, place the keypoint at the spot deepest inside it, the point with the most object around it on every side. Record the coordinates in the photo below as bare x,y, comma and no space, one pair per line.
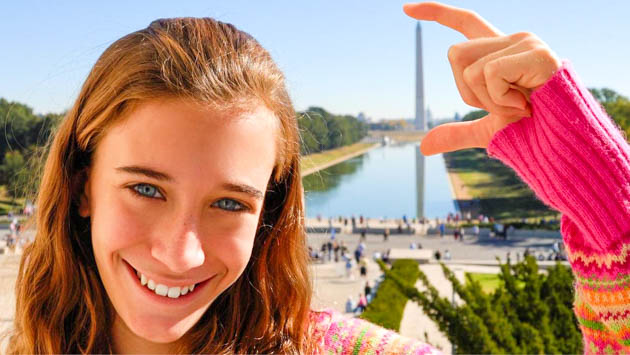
466,22
479,73
464,54
450,137
512,101
506,73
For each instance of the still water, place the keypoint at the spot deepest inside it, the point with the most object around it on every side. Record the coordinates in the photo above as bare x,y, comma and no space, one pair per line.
382,183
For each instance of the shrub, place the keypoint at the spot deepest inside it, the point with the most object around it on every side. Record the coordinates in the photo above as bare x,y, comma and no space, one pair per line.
386,309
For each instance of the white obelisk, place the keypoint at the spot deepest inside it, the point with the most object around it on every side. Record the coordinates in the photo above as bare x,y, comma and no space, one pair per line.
420,121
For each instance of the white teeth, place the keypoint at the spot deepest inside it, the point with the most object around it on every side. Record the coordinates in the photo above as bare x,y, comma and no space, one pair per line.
163,290
173,292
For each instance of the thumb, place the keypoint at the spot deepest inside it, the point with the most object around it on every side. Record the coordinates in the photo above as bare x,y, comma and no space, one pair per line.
454,136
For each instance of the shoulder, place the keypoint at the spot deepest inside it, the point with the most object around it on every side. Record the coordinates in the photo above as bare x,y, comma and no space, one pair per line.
337,334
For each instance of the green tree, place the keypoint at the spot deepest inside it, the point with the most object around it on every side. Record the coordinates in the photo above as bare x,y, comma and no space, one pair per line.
320,130
14,173
24,134
616,105
473,115
529,312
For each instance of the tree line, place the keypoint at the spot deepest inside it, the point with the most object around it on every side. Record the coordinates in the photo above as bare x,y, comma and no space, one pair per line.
24,137
26,134
321,130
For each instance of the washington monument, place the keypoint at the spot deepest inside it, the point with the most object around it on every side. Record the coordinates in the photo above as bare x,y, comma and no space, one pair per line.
420,124
420,120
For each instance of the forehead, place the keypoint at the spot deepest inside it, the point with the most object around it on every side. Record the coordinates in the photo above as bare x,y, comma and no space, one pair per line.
181,136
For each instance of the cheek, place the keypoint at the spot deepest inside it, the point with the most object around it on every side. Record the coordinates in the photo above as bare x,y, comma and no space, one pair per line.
117,223
232,245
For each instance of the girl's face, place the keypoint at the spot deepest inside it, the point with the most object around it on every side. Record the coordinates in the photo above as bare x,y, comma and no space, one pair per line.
174,194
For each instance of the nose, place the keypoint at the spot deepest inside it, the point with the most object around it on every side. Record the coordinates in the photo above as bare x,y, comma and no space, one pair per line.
180,250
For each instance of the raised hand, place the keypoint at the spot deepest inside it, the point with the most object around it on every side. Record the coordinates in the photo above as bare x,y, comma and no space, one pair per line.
492,71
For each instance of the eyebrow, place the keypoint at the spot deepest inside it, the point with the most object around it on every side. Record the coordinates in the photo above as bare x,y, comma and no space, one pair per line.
157,175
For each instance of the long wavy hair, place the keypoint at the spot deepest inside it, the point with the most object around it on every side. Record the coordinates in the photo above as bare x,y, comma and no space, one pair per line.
62,306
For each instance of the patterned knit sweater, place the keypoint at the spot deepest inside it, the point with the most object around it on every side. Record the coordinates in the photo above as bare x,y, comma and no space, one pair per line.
339,334
576,161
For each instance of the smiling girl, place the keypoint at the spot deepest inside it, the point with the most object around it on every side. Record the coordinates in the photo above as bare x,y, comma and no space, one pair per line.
170,212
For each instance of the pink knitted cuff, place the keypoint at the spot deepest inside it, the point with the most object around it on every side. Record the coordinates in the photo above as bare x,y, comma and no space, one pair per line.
573,156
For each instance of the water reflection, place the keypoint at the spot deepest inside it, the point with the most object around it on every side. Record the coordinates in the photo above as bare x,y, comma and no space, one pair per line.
420,165
385,182
328,179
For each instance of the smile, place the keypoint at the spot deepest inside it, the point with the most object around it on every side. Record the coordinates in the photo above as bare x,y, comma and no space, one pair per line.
164,290
168,293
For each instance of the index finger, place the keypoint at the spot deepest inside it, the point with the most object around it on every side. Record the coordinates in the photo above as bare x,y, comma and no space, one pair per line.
466,22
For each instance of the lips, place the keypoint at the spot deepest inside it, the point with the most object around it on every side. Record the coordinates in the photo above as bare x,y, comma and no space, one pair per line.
164,290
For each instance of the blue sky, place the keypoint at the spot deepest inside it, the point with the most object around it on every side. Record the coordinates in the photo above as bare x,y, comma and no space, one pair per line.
345,56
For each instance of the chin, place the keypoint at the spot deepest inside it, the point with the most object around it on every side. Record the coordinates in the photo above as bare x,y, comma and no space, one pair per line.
163,330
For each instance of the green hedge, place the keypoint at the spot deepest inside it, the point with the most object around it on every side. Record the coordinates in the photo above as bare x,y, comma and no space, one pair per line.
386,309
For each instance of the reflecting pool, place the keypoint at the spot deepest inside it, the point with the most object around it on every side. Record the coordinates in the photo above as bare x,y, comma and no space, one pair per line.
389,181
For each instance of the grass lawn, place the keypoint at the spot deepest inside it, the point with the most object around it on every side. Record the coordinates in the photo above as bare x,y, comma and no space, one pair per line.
500,192
489,282
310,161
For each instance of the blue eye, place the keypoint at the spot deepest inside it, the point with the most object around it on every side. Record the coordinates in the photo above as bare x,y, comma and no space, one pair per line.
230,205
147,190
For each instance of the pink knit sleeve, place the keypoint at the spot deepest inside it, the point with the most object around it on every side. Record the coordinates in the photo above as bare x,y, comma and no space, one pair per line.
338,334
577,161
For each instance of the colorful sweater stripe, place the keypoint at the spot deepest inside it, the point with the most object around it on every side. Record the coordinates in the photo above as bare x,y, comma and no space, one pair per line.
577,161
339,334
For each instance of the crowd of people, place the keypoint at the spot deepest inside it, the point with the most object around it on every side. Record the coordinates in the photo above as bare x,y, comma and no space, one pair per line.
355,263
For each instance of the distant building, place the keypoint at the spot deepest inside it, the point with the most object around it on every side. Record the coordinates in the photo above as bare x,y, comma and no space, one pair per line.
361,117
457,117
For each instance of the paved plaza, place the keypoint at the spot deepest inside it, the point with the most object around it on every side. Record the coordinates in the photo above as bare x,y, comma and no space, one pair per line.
332,288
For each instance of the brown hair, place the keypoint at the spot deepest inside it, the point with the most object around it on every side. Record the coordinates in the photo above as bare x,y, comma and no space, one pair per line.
62,306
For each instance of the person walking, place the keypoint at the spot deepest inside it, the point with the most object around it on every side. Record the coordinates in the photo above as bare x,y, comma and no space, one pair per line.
357,253
368,291
349,269
363,267
350,305
361,305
